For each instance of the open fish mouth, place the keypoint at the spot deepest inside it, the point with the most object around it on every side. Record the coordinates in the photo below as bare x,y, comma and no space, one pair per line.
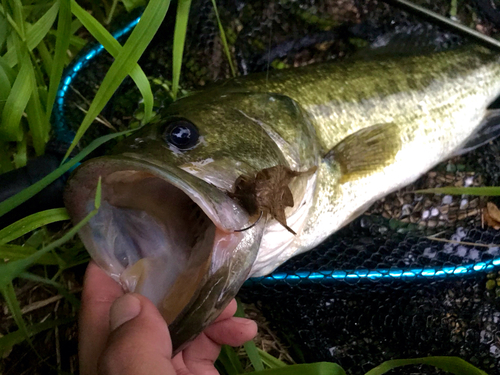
165,234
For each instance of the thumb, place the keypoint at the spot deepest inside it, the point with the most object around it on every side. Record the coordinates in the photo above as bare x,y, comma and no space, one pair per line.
139,342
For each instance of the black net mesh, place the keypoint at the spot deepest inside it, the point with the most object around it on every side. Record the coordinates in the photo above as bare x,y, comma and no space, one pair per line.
400,281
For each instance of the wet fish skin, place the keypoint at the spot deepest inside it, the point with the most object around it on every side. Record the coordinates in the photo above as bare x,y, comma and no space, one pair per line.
370,126
424,107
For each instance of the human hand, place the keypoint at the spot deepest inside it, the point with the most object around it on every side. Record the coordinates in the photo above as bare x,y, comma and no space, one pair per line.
125,334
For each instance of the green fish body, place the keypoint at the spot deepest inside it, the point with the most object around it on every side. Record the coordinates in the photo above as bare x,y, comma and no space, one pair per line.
168,227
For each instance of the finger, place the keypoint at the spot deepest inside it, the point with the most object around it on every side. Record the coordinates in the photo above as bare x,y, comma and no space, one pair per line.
139,343
202,352
198,358
200,355
228,312
99,292
232,331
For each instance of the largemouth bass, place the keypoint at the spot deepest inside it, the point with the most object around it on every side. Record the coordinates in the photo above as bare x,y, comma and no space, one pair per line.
169,225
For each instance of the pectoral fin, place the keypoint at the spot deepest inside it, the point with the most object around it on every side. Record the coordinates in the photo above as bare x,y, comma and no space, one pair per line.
366,151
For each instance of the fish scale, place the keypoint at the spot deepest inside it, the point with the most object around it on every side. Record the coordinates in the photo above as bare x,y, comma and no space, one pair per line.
370,126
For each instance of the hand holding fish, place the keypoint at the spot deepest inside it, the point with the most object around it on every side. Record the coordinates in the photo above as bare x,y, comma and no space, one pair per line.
125,334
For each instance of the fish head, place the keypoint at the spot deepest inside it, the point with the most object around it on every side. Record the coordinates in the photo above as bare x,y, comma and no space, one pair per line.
167,227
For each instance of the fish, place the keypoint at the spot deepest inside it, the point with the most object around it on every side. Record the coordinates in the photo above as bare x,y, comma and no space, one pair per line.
175,223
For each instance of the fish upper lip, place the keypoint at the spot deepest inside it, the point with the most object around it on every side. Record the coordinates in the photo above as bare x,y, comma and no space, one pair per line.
241,217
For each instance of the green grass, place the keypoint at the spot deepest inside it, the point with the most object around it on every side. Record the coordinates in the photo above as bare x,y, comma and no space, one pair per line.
487,191
33,54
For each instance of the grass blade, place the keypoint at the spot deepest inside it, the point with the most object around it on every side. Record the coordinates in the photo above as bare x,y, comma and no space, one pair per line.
61,289
230,361
16,252
36,33
8,293
16,337
269,360
45,56
21,155
11,74
319,368
132,4
38,124
224,40
9,271
32,222
181,21
15,104
454,365
29,192
62,44
250,348
5,85
489,191
113,47
253,355
124,63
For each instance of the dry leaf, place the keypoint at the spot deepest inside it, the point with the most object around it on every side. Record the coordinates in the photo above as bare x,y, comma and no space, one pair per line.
268,191
491,215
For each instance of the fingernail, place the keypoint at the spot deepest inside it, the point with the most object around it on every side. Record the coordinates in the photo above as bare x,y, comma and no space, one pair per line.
123,309
244,321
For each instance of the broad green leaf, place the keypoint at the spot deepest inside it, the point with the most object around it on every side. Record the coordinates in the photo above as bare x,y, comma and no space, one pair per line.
113,47
454,365
16,252
124,63
24,195
62,45
319,368
269,360
35,33
224,40
16,337
181,21
32,222
482,191
16,103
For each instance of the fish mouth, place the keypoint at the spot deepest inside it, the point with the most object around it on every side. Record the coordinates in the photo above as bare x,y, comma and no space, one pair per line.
165,234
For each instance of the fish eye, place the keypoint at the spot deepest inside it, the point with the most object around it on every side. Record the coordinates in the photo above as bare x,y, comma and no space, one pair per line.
181,134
